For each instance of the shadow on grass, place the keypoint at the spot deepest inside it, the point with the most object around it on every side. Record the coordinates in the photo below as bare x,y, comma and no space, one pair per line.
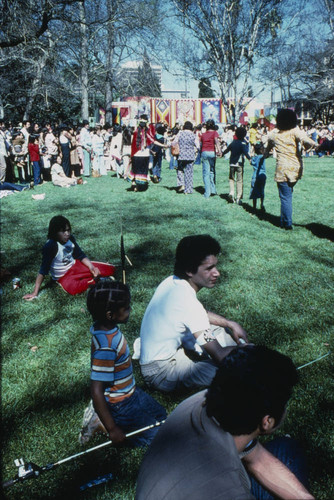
319,230
266,216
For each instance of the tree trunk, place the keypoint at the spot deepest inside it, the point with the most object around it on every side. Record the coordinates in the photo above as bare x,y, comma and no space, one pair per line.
2,111
36,84
109,60
84,62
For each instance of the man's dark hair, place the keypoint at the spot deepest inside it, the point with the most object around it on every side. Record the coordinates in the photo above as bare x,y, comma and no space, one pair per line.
192,251
241,133
251,382
107,296
56,224
286,119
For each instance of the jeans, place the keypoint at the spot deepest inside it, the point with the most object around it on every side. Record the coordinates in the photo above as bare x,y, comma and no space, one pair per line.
172,162
157,160
209,172
12,187
285,190
36,168
136,412
179,371
289,452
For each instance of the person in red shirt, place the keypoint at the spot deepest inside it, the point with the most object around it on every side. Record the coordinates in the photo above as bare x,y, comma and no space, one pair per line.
33,148
210,143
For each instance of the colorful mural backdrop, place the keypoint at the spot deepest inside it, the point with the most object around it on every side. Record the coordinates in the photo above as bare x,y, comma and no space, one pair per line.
194,110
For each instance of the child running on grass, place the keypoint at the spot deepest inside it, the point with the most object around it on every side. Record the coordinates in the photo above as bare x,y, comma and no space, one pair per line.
259,176
66,262
121,406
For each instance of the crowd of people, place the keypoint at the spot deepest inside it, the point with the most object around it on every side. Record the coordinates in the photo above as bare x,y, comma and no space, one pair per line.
209,444
31,154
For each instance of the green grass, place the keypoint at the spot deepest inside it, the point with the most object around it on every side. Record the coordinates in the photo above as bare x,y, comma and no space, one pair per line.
278,284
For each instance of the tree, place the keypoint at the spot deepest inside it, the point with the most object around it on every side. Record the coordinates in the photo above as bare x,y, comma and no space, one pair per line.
229,33
144,82
204,88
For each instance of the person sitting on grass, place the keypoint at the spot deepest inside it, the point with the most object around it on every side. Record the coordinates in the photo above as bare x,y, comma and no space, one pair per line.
259,176
121,406
208,447
66,262
181,343
238,149
58,176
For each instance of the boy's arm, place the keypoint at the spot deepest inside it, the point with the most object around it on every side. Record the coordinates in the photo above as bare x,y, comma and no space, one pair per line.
116,434
274,475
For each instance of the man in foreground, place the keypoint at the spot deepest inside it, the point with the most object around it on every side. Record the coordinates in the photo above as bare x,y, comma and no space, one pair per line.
211,439
175,320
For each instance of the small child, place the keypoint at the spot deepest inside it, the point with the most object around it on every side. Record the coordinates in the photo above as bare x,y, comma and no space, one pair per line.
67,263
121,406
238,149
259,176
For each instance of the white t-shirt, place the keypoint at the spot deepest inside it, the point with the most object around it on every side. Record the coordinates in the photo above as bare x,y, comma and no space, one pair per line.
172,316
63,261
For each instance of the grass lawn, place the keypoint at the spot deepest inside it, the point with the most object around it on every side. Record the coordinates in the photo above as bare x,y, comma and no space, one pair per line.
278,284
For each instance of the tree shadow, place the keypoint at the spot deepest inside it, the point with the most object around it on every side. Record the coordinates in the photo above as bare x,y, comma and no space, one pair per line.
319,230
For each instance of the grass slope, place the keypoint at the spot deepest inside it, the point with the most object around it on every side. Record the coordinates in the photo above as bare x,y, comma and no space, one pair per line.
277,284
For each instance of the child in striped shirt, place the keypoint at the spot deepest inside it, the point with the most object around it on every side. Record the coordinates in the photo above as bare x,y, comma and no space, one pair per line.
121,406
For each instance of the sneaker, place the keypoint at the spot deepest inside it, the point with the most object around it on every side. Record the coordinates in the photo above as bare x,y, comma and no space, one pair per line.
91,425
238,201
231,198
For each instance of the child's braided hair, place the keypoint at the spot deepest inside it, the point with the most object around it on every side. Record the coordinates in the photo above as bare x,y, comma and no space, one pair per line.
107,296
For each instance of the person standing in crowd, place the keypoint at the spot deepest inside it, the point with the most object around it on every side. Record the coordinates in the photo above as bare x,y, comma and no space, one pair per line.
35,158
259,177
51,142
65,144
86,145
140,154
3,152
287,140
157,152
74,157
98,152
210,143
186,139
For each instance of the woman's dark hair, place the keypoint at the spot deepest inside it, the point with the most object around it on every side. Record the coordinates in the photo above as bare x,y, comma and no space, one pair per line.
56,224
188,126
192,251
107,296
251,382
286,119
241,133
210,125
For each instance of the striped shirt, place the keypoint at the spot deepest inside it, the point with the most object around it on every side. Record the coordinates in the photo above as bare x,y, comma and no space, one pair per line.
111,363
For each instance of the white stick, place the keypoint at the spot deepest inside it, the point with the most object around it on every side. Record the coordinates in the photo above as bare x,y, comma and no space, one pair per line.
107,443
314,361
